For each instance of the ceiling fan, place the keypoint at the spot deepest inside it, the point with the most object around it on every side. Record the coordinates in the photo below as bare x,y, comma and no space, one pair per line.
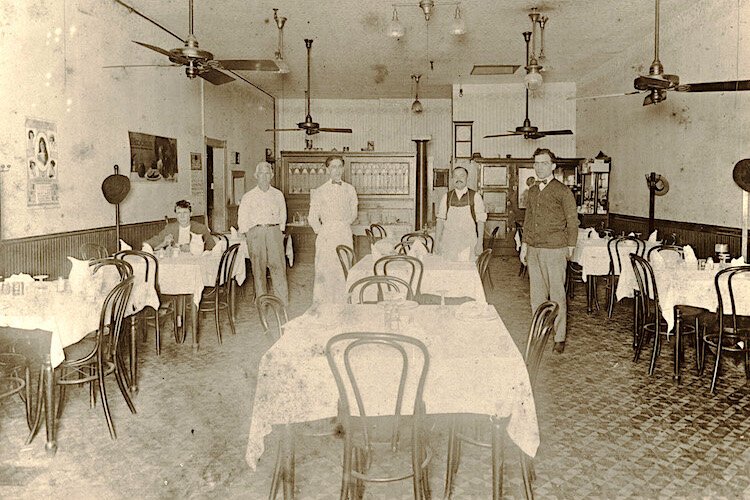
309,126
199,62
657,83
527,130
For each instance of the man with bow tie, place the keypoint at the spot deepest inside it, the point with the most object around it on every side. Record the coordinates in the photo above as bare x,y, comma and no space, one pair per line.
333,209
550,233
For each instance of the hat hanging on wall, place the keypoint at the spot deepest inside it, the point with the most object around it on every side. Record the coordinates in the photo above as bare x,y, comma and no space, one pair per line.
741,174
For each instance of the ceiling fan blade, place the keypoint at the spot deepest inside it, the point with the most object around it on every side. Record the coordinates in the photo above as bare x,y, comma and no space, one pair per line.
555,132
283,129
602,96
648,82
249,64
144,66
503,135
176,58
216,77
339,130
727,86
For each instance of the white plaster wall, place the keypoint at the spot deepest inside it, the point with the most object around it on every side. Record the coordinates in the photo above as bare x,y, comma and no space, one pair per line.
693,139
53,53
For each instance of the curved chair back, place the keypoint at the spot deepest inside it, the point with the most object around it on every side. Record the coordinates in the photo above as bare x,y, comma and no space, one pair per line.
425,238
726,289
542,325
370,236
346,258
619,248
493,236
268,305
123,268
671,253
401,266
226,267
92,251
378,231
364,348
151,275
644,276
219,237
390,283
483,262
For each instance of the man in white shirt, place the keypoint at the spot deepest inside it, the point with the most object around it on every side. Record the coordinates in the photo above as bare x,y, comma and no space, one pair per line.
333,209
262,217
460,219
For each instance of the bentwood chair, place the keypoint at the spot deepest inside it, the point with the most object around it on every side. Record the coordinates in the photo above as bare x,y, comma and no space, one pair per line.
483,266
731,331
346,258
408,266
94,357
391,284
349,356
270,306
618,248
650,322
378,231
92,251
426,239
371,237
221,237
15,378
219,297
542,325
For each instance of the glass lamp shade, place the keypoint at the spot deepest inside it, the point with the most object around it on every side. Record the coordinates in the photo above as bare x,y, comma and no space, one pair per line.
533,79
416,106
395,28
458,27
283,66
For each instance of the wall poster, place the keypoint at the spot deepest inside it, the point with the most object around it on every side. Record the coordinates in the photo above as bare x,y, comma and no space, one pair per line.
197,193
152,158
42,163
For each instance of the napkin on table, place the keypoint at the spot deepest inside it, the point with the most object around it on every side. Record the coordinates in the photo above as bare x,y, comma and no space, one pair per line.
739,261
20,278
124,246
233,233
657,260
652,237
147,248
688,254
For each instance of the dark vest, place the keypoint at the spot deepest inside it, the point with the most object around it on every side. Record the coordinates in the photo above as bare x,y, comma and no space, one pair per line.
455,201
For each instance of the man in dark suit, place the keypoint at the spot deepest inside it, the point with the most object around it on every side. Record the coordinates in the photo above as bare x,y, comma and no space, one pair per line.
179,233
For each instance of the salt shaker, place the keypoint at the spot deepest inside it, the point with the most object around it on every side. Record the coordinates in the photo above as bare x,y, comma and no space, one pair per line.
60,284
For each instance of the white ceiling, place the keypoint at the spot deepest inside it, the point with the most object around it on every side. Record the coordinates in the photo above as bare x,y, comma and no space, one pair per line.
353,58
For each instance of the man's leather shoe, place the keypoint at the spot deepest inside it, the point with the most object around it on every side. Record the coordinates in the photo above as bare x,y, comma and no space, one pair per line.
559,347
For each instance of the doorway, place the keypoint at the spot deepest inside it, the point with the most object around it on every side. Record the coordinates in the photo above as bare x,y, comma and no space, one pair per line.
216,192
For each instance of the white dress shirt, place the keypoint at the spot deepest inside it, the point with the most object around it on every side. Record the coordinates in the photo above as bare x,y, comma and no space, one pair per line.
542,183
261,207
332,203
479,209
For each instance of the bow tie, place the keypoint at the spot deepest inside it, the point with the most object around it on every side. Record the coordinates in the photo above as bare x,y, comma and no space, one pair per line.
338,183
544,182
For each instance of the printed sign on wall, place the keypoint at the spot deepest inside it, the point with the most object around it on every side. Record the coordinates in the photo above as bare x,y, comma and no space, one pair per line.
42,163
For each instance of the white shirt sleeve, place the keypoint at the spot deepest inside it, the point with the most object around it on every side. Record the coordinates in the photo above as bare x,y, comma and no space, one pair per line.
353,204
479,209
244,213
282,210
313,218
442,212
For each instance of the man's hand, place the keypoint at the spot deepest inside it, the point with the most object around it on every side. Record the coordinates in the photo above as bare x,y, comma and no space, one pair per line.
570,252
523,252
168,240
479,247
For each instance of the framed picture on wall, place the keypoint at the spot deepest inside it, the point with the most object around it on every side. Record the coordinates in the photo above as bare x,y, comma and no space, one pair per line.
526,179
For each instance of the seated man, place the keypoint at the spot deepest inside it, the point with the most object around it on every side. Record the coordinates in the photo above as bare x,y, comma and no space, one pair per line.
179,233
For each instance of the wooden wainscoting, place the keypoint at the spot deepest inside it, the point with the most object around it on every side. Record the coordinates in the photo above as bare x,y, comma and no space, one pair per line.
47,254
702,237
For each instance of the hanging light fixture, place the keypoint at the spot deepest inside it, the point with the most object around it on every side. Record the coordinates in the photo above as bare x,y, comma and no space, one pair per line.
280,62
416,106
395,28
459,26
533,78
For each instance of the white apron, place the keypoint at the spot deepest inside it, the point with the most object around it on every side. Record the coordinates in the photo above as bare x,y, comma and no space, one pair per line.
459,234
330,285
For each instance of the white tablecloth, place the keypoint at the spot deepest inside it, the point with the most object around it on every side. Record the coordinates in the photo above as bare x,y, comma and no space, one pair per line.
683,285
475,367
455,278
69,316
188,274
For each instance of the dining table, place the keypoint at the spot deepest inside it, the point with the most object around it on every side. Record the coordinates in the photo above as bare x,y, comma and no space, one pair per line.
54,316
186,275
475,367
441,276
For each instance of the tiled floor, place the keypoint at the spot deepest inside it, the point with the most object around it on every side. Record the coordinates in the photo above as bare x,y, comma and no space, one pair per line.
607,429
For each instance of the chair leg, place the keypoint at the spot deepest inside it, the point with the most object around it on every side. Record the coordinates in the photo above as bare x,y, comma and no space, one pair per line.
38,412
277,473
123,386
449,472
157,332
497,461
611,295
216,317
231,318
715,376
346,469
655,351
527,473
105,403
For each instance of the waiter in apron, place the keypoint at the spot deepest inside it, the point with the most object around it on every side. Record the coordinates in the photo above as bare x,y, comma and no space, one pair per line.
460,220
333,209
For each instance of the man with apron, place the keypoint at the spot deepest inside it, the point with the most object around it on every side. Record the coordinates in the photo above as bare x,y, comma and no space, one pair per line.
460,220
333,209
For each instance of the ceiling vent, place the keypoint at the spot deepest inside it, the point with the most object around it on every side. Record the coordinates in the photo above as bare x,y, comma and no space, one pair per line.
494,69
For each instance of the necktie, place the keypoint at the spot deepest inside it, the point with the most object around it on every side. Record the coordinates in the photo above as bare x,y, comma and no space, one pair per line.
338,183
540,183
